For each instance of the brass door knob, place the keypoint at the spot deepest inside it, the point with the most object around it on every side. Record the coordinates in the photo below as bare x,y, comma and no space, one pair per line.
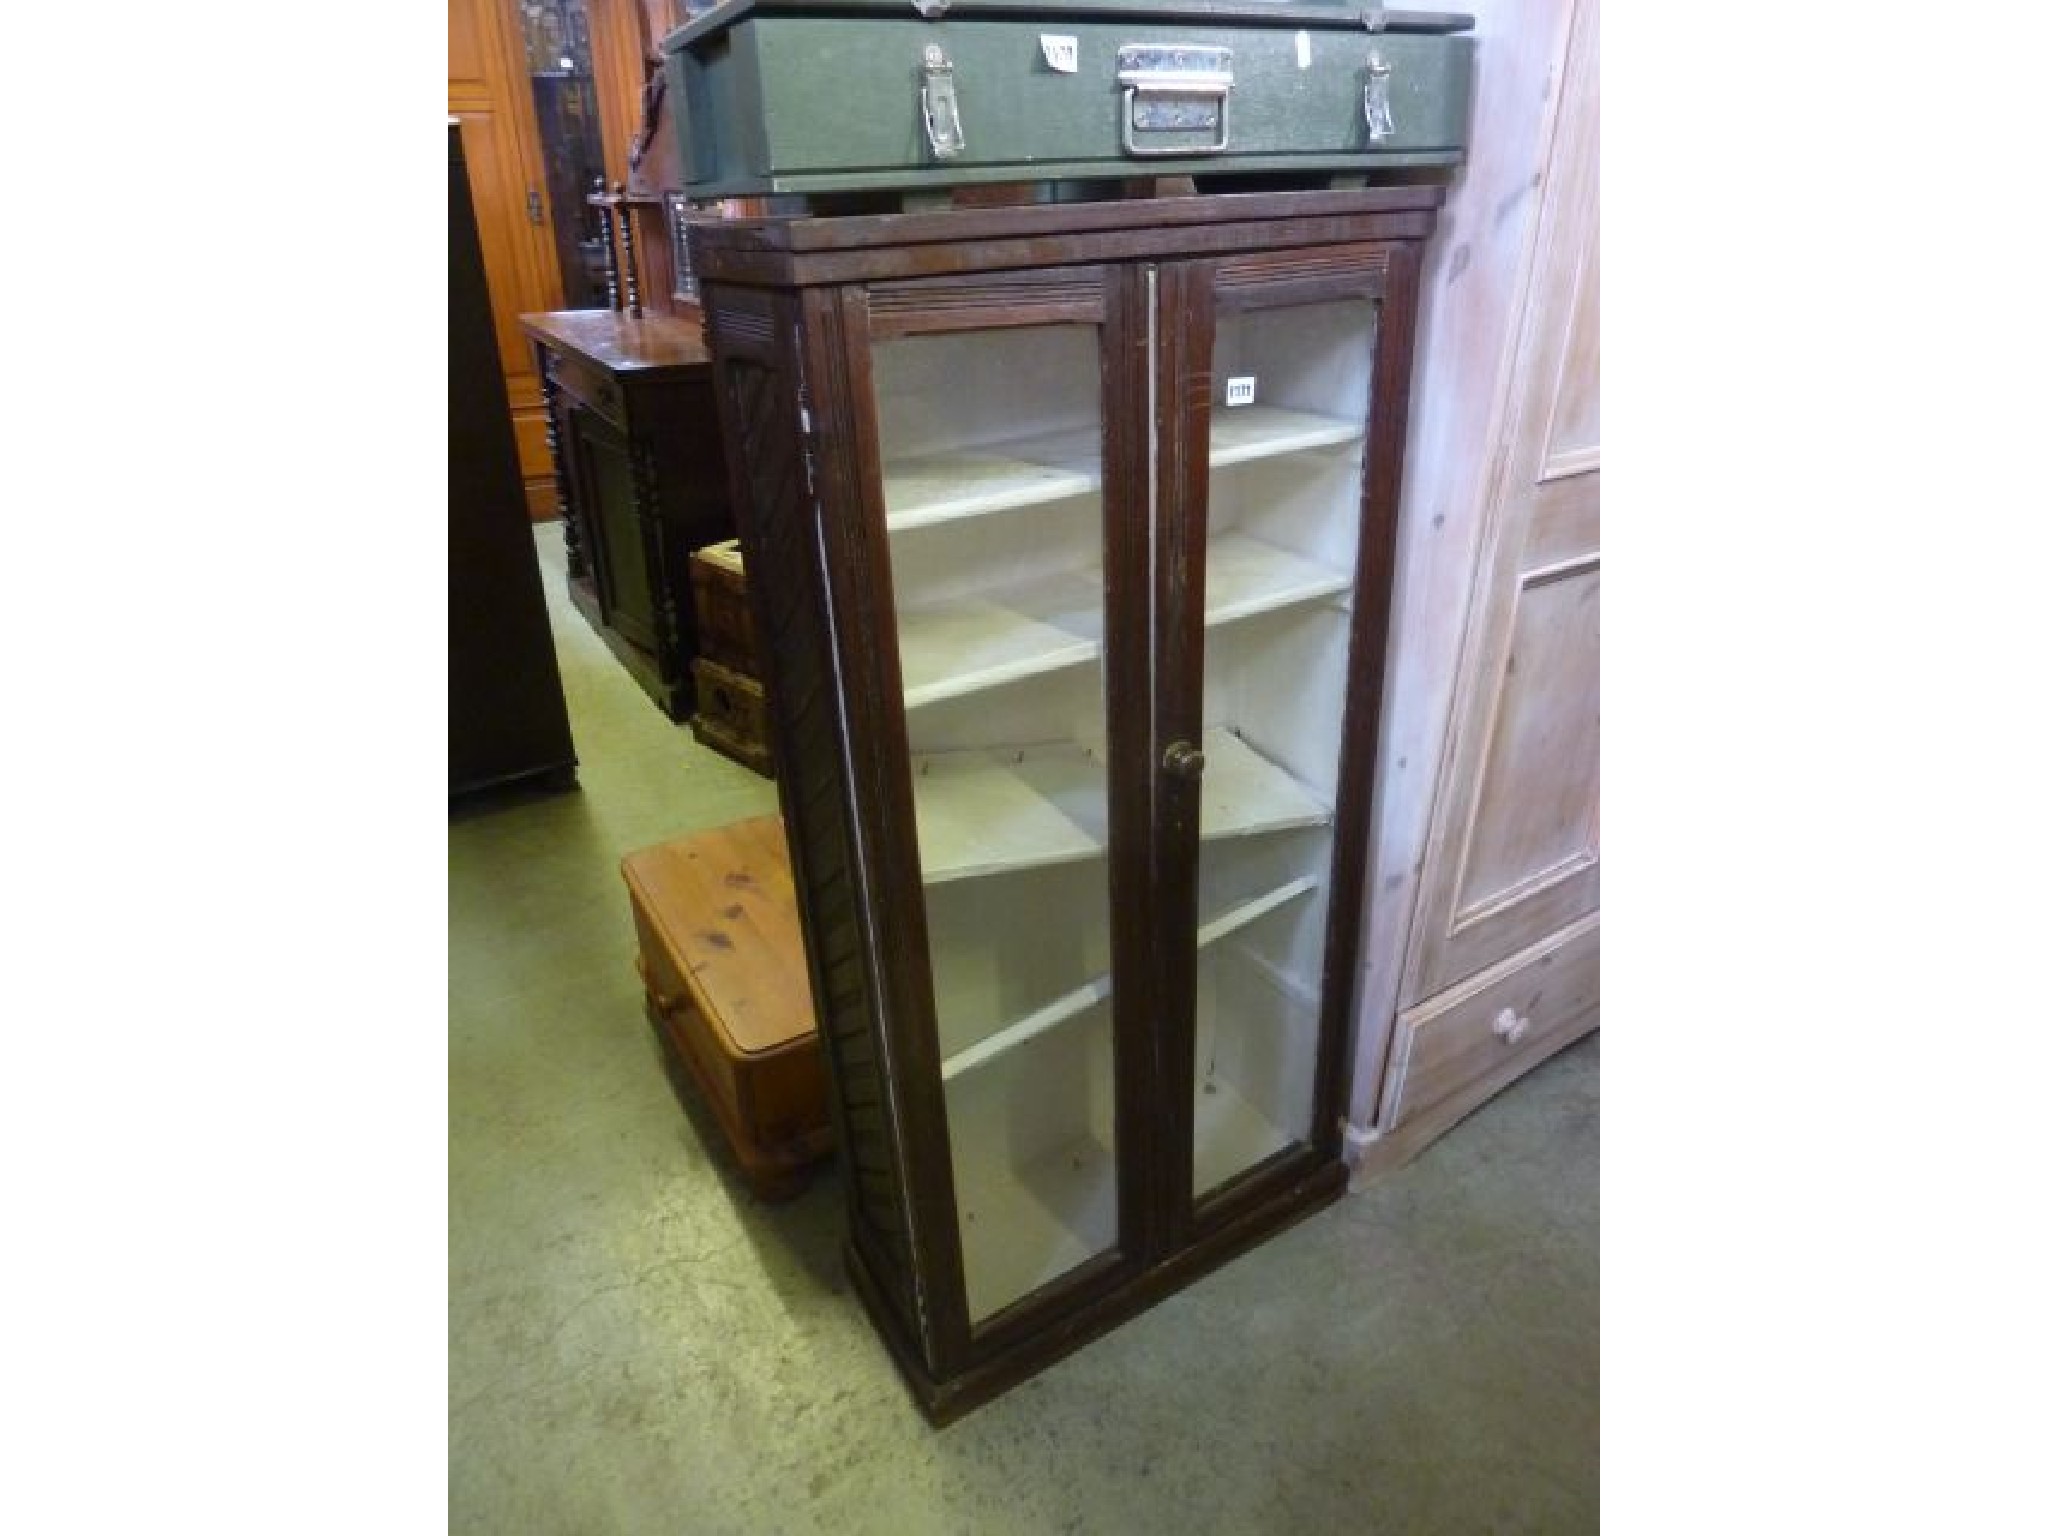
1184,760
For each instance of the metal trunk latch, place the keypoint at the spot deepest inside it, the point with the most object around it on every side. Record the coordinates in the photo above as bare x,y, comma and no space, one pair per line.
941,104
1175,88
1379,109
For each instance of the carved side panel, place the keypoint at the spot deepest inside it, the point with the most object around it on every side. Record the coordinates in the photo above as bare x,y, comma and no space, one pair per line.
565,510
777,517
646,469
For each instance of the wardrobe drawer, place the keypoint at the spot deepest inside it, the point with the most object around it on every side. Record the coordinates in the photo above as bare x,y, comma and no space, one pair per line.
1485,1032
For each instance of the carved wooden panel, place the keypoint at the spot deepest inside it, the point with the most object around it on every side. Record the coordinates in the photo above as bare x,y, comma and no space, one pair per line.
1533,819
777,516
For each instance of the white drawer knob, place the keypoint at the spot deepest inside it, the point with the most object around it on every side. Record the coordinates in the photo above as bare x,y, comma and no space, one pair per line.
1510,1025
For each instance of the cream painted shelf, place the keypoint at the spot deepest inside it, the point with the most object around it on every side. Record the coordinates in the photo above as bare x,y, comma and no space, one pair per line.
1056,621
923,489
1086,996
982,813
1240,434
1020,631
1246,576
1243,793
943,487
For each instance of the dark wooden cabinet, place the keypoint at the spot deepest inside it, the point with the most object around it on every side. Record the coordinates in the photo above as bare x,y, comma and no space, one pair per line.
1081,522
641,481
507,718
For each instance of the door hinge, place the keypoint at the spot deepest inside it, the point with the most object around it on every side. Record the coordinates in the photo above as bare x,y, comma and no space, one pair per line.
533,212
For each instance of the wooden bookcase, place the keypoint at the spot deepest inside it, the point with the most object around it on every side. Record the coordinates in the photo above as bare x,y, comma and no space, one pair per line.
1080,521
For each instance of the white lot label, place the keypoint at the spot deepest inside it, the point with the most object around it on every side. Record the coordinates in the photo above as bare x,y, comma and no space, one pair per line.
1239,391
1301,50
1061,53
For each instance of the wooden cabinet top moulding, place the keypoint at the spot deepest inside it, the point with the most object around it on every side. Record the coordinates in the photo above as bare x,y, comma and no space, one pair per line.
808,252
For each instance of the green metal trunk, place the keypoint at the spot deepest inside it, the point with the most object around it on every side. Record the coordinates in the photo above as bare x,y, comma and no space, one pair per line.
839,95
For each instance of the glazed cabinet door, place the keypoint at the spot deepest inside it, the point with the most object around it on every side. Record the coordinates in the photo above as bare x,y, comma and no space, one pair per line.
1137,631
1006,473
1271,605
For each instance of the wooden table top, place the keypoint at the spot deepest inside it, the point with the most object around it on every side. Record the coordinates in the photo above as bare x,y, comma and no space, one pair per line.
612,340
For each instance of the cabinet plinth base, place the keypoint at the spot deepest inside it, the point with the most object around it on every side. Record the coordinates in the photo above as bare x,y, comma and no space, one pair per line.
943,1401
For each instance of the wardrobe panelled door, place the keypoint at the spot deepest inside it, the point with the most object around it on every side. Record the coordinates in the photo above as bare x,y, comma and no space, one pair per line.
1083,518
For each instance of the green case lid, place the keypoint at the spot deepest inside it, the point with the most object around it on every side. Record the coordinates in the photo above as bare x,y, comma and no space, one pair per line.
1271,13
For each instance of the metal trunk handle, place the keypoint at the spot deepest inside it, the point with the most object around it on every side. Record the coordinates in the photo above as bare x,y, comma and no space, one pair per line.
1174,87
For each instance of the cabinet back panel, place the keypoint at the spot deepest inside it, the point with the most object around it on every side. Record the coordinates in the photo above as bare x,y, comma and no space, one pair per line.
1271,679
1033,1140
1304,357
1003,948
939,392
1305,503
953,560
1054,706
1255,1065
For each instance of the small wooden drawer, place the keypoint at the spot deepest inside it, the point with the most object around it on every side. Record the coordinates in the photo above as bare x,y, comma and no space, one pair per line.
1471,1041
732,716
592,387
725,625
722,962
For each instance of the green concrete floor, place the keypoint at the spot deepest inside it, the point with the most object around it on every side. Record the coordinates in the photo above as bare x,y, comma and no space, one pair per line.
636,1345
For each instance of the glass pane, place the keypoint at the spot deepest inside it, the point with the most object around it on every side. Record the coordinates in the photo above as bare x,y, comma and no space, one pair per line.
1285,451
991,464
557,34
